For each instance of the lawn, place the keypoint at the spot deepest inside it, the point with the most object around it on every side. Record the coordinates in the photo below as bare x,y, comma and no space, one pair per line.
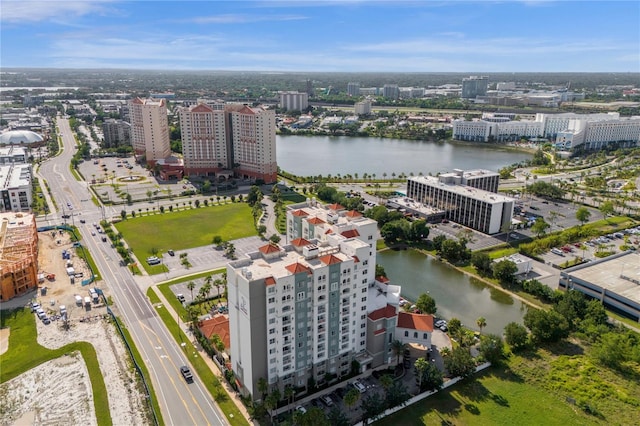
25,353
187,228
532,389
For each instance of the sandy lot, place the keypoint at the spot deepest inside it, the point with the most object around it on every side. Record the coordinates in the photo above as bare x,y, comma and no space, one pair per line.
59,391
54,393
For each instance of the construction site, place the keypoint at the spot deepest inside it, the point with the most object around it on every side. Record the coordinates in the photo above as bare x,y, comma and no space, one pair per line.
18,254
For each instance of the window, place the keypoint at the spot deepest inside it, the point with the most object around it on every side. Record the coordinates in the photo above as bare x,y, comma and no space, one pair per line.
300,295
272,341
272,331
406,333
272,300
415,334
425,336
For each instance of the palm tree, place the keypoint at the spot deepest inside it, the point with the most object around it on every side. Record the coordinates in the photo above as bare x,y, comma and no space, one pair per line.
481,322
191,285
263,386
218,283
397,347
289,393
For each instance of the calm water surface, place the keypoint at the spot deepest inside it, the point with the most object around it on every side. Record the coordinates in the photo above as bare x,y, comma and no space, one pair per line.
456,294
324,155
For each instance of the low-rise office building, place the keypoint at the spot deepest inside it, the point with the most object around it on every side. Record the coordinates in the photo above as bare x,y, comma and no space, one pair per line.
16,191
614,281
475,208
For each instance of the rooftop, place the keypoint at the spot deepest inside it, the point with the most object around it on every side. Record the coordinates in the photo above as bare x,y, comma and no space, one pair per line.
420,322
616,275
478,194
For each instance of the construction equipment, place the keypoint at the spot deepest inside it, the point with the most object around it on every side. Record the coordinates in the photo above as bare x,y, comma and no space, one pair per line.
49,275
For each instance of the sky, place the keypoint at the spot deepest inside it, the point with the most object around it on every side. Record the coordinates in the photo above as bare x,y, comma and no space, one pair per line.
323,35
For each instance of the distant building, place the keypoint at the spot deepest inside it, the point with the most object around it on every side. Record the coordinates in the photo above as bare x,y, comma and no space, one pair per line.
391,91
150,129
504,86
218,136
13,155
294,101
353,89
474,86
18,254
309,87
363,107
116,133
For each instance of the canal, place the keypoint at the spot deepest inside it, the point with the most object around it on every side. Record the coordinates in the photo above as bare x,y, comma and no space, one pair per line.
456,294
325,155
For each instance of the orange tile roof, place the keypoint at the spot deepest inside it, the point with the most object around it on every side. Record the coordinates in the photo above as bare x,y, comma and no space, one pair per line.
420,322
355,259
300,212
269,281
299,242
353,213
316,221
335,206
269,248
382,279
388,311
201,108
329,231
137,101
297,268
219,325
351,233
377,332
330,259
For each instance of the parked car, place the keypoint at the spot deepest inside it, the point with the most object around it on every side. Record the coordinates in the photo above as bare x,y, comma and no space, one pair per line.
301,409
359,386
180,297
171,252
326,399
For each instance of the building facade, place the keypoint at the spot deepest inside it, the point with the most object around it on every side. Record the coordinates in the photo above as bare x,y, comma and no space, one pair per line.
475,208
116,133
353,89
474,86
150,129
294,101
16,190
204,140
363,107
18,254
391,91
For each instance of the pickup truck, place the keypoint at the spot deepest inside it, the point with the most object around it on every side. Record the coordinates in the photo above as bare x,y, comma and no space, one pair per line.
186,373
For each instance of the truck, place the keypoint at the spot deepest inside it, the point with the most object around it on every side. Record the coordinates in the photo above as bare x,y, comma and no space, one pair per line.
94,295
78,300
87,302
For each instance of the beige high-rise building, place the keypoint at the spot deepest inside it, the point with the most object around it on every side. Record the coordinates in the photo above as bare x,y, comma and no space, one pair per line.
238,138
204,141
150,129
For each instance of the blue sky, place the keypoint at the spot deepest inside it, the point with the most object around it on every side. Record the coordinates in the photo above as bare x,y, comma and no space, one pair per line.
312,35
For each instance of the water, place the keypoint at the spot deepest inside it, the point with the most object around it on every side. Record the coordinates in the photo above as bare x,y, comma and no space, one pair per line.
456,294
324,155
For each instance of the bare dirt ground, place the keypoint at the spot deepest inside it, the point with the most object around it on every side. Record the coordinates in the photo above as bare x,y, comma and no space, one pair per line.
54,393
59,391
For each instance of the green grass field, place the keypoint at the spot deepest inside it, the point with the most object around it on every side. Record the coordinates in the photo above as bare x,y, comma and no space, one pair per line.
187,228
25,353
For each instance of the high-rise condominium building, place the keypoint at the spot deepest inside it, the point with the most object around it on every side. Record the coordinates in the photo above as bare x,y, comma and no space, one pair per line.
474,86
294,101
299,311
150,129
116,133
353,89
391,91
229,137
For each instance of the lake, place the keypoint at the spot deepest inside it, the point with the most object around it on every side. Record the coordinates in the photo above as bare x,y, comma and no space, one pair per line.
324,155
456,294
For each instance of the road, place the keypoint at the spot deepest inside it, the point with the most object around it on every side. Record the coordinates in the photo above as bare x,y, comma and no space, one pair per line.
181,403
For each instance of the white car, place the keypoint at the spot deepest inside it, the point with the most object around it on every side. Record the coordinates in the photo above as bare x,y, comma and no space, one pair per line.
361,388
301,409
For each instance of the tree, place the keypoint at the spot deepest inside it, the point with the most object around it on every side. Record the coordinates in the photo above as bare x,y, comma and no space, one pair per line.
437,241
313,417
492,348
255,196
516,335
540,227
426,304
607,209
573,306
428,376
482,262
419,230
546,326
460,363
583,215
380,272
123,214
271,401
397,347
190,286
289,393
275,238
396,394
504,271
217,240
351,398
337,417
481,322
263,386
455,327
372,406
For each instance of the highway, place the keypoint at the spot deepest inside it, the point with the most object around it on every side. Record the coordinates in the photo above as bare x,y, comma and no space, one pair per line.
181,403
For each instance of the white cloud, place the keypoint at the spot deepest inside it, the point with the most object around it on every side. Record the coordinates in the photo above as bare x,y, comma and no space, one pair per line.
35,11
243,19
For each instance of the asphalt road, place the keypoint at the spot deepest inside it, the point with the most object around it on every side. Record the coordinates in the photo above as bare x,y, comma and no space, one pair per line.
181,403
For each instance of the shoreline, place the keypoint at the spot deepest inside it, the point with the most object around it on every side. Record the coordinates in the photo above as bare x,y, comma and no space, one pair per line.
479,278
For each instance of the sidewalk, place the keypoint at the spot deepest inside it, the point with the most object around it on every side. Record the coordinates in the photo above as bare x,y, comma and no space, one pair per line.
212,366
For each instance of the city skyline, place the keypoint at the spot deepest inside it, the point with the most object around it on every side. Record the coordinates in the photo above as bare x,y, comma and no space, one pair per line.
326,36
